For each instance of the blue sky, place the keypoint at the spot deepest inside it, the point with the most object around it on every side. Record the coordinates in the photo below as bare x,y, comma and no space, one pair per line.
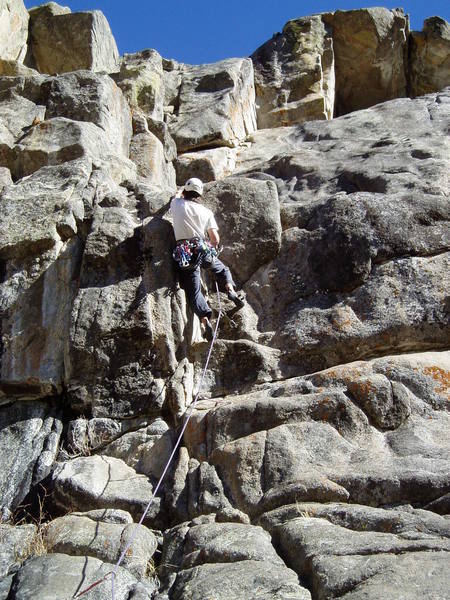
203,31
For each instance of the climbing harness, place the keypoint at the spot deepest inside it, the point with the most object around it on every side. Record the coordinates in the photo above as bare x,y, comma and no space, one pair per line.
114,572
189,253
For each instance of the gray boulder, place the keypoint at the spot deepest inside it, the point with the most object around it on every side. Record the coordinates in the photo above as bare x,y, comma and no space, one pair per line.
93,482
29,438
79,535
93,98
207,165
348,550
429,66
317,67
247,213
124,294
60,576
294,74
226,560
16,544
13,30
306,440
216,105
41,254
141,79
374,71
62,41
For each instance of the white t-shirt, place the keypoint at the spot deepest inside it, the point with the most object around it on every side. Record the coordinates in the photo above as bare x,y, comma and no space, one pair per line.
191,219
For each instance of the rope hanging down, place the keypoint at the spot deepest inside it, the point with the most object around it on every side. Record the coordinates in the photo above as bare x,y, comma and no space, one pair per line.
114,572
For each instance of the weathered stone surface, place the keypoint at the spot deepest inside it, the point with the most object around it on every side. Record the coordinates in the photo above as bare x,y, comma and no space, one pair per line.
15,543
370,54
59,140
147,152
294,74
59,576
429,66
273,446
207,165
94,98
146,450
141,79
65,41
247,557
18,114
346,550
247,213
121,340
41,256
82,536
29,437
5,177
381,253
216,105
13,30
93,482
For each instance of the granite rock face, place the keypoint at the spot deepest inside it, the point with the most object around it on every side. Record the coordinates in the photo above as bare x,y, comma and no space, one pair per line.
294,74
430,57
215,105
316,461
62,41
13,30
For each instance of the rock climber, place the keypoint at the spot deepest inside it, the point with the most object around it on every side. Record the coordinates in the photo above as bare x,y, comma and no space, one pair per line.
197,237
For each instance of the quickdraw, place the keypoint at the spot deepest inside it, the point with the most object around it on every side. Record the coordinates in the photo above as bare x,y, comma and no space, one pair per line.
187,253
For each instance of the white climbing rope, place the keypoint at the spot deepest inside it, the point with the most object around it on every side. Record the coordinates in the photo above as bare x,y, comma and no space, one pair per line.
114,572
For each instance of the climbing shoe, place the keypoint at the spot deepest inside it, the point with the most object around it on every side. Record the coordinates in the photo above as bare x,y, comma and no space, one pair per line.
207,330
238,301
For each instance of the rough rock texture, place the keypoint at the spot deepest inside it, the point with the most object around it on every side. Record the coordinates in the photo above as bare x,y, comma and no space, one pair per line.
430,57
62,41
228,561
79,535
13,30
316,461
215,105
29,438
348,551
40,577
331,64
370,55
294,74
207,165
141,78
92,482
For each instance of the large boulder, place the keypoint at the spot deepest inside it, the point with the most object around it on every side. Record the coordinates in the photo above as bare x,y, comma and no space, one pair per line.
93,482
59,575
29,437
331,64
316,438
294,74
41,253
429,64
372,242
13,30
141,79
207,165
370,47
349,550
215,105
58,141
93,98
80,535
247,213
62,41
227,560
